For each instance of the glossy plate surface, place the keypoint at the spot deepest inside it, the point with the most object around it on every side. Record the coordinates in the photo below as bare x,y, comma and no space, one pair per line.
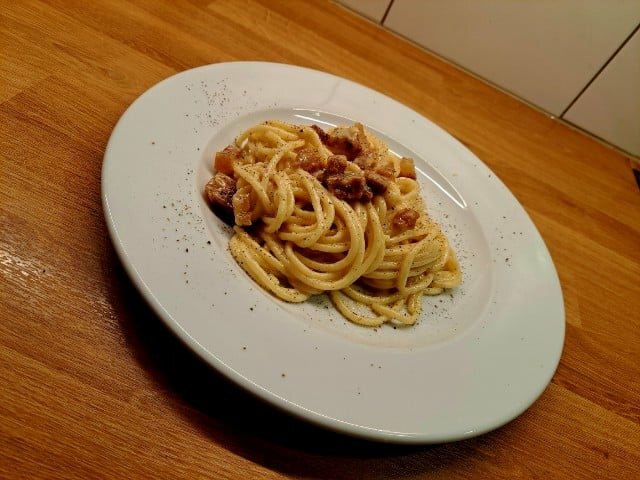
478,357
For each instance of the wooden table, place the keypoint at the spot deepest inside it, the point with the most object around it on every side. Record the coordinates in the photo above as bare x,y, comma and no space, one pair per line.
92,385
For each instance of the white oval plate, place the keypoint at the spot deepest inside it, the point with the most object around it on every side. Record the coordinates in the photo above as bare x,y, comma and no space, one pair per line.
477,358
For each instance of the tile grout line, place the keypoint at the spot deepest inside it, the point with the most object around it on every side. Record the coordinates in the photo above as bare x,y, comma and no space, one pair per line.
386,12
600,70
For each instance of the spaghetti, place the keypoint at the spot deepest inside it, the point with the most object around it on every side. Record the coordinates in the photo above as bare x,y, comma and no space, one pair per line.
333,212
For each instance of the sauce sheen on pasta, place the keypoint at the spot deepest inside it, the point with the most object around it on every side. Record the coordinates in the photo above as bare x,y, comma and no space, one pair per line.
332,212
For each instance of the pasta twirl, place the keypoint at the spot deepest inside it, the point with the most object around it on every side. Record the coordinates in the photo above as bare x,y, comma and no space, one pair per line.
332,212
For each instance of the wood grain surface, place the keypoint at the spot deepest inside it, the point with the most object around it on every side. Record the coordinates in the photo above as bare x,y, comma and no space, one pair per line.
91,383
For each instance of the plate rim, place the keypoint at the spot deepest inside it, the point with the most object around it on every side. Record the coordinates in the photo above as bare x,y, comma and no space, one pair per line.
283,404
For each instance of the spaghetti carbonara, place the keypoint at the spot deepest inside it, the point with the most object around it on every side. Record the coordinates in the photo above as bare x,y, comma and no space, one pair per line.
332,212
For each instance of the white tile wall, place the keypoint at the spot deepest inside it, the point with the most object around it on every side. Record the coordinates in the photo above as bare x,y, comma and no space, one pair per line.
544,51
372,9
610,107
